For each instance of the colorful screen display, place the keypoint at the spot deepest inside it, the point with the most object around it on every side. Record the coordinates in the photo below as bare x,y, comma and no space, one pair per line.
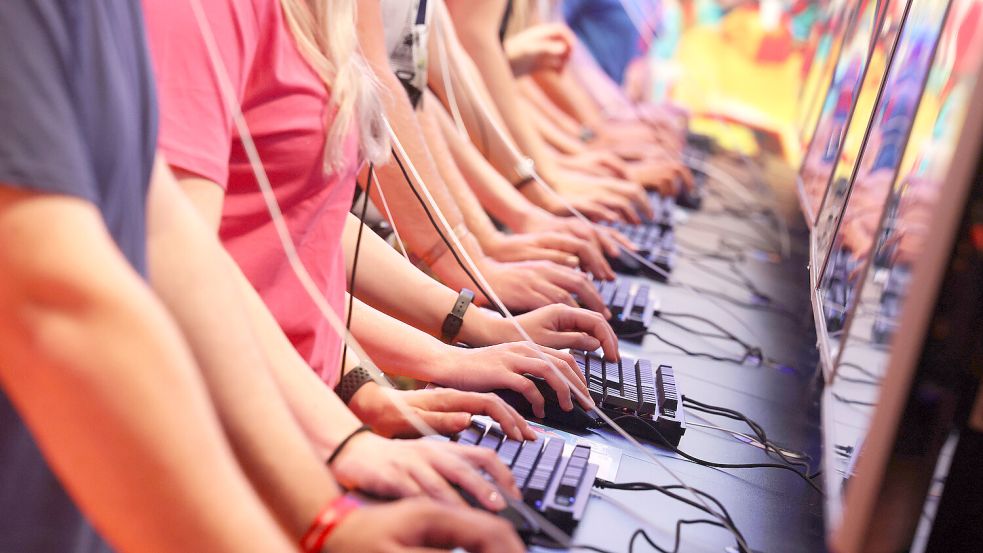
858,128
840,99
886,217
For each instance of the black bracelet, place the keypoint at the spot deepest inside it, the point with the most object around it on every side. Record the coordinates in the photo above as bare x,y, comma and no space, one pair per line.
348,438
351,382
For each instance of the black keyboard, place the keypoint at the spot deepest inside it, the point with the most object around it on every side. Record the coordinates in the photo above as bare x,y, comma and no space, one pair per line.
886,322
699,148
839,290
644,399
656,244
556,486
632,307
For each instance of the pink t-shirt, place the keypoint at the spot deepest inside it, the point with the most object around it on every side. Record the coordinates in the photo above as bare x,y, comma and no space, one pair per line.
286,108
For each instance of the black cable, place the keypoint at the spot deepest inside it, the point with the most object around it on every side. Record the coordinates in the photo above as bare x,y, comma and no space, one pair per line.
668,491
759,432
725,334
679,531
849,401
703,354
713,464
440,233
358,247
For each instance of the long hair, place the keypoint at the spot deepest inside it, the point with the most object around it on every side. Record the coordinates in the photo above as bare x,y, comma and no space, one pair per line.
324,31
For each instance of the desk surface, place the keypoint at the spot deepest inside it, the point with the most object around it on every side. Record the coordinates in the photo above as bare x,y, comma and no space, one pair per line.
775,510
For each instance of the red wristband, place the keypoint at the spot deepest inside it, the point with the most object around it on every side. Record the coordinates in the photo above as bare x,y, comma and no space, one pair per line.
326,521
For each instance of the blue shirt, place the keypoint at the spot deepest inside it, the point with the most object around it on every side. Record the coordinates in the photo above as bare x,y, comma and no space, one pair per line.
79,118
608,32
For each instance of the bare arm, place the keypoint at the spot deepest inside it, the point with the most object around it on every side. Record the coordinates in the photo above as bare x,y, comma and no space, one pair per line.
400,290
410,217
190,271
324,418
85,345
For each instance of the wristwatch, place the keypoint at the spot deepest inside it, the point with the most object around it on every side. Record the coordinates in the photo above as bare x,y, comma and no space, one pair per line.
454,319
352,382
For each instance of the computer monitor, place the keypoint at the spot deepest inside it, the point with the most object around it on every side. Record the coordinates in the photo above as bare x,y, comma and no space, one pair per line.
839,104
858,129
861,185
903,420
822,53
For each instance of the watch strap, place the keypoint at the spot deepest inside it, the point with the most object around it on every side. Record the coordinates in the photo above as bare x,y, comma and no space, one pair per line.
351,382
454,319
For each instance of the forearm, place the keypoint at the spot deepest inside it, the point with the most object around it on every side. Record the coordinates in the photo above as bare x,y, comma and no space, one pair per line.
395,347
495,194
189,270
566,93
475,217
403,292
111,394
322,416
554,136
606,94
477,32
534,94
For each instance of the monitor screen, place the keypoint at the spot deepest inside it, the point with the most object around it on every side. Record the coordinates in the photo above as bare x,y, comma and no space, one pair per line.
839,102
822,51
906,234
840,263
858,128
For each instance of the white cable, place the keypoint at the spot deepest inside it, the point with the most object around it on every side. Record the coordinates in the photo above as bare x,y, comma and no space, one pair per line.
389,215
304,277
446,78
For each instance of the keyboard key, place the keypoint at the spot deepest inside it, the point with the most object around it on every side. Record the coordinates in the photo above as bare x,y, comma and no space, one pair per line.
526,461
542,475
492,439
573,474
665,382
472,435
508,451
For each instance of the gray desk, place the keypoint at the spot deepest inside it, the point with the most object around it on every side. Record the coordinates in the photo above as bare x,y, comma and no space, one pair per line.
775,510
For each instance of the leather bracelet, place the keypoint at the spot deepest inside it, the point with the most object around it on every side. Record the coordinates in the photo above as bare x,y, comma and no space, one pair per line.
351,382
343,443
326,521
452,323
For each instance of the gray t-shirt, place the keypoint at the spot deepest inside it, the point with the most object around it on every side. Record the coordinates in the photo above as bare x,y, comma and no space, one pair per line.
79,118
406,26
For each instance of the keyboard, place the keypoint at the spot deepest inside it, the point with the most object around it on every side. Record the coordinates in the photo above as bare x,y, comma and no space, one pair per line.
644,399
839,290
886,322
632,307
557,486
656,244
641,397
698,148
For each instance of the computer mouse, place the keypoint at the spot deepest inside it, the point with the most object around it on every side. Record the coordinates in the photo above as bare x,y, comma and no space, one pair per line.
575,419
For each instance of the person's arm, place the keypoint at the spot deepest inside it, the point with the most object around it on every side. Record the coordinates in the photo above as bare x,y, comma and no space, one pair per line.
476,24
191,274
597,197
102,377
409,216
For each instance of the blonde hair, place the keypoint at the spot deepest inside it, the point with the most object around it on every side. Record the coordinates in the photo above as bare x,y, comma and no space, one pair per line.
324,31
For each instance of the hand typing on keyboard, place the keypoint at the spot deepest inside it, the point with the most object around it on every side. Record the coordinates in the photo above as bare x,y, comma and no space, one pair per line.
554,485
477,370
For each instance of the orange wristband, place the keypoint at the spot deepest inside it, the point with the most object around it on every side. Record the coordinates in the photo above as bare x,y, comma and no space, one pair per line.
326,521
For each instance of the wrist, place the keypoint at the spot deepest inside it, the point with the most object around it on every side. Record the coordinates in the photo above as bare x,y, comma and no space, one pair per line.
483,328
326,521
